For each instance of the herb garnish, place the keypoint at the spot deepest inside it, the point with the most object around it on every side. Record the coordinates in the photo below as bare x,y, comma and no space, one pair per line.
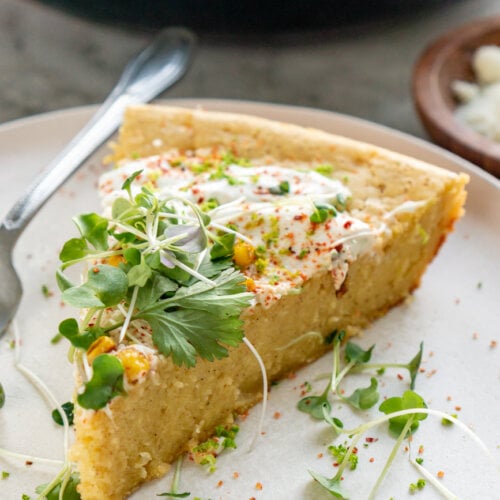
154,261
356,359
66,483
206,453
2,396
68,410
175,483
281,189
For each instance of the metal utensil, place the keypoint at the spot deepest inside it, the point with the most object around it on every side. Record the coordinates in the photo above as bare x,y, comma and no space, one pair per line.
156,68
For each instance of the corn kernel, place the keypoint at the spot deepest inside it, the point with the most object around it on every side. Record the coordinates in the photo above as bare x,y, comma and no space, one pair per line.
114,260
244,254
250,284
134,363
100,345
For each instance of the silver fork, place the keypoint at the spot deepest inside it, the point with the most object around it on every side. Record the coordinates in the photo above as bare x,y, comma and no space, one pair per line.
156,68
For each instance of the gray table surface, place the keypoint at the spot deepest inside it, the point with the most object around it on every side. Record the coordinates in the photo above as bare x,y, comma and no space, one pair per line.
51,60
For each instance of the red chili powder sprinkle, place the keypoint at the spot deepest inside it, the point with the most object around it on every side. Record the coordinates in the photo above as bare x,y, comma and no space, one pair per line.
440,474
28,462
448,398
493,344
458,408
219,484
475,336
95,270
258,486
420,450
277,415
371,460
236,475
400,377
320,455
371,440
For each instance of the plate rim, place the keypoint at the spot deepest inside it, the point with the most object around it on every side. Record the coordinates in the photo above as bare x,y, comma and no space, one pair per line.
367,125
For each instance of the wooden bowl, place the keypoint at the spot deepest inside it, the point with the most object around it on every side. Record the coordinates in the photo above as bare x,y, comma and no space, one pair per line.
448,59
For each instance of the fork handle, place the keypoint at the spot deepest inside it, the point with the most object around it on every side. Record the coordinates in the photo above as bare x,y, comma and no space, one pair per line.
156,68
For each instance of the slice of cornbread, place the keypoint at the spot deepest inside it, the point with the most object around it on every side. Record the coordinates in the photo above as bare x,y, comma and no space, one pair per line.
409,207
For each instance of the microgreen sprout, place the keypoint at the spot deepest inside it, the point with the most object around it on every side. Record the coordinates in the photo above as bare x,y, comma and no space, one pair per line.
322,212
68,410
2,396
356,360
403,415
63,487
173,493
406,422
281,189
412,366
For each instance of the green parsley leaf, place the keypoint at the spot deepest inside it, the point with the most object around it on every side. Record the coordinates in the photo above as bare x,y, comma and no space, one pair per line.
225,298
185,333
5,474
105,384
154,289
68,409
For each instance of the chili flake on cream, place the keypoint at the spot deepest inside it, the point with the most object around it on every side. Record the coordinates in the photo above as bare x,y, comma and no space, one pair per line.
294,220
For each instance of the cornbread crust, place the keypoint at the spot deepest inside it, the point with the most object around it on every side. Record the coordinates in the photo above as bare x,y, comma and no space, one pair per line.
174,408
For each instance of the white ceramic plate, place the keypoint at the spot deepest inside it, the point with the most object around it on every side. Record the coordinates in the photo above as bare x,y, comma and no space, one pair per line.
456,312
